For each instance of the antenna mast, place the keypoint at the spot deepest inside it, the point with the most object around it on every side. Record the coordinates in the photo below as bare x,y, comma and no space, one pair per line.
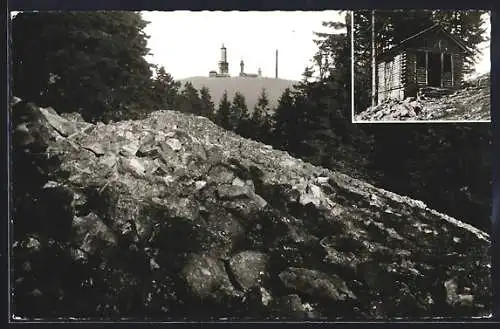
276,63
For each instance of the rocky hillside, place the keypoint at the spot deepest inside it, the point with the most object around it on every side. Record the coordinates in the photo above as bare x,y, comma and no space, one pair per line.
249,87
172,217
470,103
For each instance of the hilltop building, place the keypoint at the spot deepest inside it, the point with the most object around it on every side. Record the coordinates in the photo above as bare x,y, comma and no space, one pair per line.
248,75
224,67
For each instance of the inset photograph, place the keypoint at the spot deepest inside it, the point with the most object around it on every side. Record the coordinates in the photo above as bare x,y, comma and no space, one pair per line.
421,65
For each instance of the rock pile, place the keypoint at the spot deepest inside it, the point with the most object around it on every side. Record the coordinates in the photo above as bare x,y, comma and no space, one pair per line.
472,102
393,110
175,218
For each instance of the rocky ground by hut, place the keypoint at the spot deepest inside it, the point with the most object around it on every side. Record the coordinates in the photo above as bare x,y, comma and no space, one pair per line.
174,218
470,103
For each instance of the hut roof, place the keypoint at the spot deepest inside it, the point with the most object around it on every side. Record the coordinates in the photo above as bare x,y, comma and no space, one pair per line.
435,27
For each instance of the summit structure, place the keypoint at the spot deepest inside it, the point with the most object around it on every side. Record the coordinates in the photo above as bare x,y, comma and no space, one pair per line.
223,64
224,67
248,75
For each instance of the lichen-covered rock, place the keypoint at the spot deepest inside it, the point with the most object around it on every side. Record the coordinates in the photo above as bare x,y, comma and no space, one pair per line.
249,268
172,217
316,284
207,277
289,307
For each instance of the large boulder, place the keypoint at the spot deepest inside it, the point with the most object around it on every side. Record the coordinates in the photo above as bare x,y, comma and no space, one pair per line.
172,217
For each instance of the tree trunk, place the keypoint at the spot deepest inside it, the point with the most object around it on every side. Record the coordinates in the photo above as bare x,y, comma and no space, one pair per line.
374,65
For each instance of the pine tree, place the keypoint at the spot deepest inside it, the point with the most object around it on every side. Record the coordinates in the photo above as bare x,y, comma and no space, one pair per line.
267,129
325,58
319,127
259,115
88,61
189,100
222,115
207,106
165,89
286,121
307,77
239,117
468,26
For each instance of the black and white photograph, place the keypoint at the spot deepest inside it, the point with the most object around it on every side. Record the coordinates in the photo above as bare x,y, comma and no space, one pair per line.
421,65
179,166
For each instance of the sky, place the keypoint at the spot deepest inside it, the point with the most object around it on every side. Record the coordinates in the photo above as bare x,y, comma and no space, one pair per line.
194,48
188,43
483,60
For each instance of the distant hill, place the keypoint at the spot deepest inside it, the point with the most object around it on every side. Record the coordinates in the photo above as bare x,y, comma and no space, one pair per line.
250,87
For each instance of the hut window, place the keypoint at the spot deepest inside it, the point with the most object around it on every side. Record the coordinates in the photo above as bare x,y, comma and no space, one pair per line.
421,59
447,62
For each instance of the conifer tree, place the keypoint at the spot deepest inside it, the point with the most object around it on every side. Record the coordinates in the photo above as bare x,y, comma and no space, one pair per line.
92,62
165,90
286,121
189,100
259,116
207,106
239,116
223,111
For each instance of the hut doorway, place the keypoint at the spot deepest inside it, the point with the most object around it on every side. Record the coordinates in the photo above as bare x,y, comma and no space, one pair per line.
434,70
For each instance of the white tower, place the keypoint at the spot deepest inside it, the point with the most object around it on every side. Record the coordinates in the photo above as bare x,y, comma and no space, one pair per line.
223,64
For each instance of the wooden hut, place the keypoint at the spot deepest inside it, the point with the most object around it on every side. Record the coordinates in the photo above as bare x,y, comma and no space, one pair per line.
430,58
